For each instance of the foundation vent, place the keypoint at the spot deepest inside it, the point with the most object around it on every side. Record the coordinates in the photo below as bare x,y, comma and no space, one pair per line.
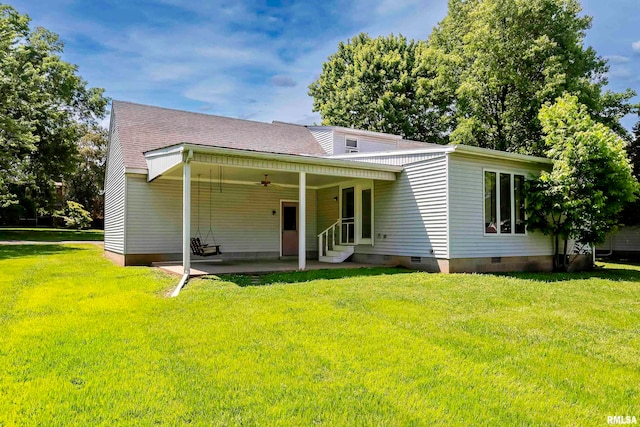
496,260
416,260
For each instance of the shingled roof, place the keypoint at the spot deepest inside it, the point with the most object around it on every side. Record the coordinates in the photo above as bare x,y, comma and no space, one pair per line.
142,128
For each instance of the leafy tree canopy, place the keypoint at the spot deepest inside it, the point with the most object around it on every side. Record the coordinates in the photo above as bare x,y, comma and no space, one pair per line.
44,110
590,182
371,84
498,61
480,79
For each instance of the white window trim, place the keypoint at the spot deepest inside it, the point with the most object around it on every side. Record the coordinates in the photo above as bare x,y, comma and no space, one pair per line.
513,202
349,149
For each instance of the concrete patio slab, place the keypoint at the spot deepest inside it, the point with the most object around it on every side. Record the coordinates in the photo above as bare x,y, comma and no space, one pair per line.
251,267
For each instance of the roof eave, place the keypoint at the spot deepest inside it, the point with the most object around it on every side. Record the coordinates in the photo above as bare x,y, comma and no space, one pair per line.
505,155
290,158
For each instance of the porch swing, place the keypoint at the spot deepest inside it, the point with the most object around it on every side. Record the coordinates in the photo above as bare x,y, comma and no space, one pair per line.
200,245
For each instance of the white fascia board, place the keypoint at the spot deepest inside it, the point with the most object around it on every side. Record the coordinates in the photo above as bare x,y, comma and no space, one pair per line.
392,153
136,171
163,160
459,148
485,152
288,158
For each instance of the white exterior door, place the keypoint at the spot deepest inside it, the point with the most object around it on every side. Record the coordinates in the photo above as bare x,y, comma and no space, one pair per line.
356,213
289,228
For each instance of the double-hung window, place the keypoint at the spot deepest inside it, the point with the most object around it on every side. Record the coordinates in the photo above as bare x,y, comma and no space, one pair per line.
504,204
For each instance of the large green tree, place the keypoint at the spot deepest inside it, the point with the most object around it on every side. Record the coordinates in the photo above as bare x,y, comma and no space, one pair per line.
589,184
496,62
44,110
371,84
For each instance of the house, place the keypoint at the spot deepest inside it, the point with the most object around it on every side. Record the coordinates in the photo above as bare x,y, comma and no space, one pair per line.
623,243
272,190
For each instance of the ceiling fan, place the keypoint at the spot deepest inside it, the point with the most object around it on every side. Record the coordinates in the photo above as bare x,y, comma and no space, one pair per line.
265,182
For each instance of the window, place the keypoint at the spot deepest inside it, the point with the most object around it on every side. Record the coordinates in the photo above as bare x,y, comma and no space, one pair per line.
504,203
351,145
367,221
518,195
490,202
289,218
348,215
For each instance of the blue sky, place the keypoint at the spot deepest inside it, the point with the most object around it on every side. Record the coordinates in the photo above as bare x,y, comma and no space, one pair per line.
254,59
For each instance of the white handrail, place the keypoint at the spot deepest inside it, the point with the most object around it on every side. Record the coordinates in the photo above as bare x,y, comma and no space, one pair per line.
330,227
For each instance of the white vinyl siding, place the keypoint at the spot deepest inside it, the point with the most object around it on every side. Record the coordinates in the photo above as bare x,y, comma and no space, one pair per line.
328,207
626,239
324,138
242,218
467,231
114,197
365,143
412,212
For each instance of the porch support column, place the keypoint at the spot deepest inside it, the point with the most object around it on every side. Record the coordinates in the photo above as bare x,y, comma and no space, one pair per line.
186,212
302,221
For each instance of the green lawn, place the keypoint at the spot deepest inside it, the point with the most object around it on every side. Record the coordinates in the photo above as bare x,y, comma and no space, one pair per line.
49,234
84,342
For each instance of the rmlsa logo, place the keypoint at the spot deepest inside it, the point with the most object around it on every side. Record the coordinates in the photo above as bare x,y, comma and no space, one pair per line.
620,419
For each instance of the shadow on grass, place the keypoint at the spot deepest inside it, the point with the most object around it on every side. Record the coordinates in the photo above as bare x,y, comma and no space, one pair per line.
50,234
243,280
614,274
19,251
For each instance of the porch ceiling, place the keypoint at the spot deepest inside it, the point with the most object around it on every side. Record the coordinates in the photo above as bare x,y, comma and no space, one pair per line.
243,166
204,171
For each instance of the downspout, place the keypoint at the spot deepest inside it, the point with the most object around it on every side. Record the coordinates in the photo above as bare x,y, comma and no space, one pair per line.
610,247
183,282
186,221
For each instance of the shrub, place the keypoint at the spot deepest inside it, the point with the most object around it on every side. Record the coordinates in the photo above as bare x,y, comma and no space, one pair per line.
74,216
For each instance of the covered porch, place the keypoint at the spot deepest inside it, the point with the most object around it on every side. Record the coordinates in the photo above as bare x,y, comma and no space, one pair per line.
266,205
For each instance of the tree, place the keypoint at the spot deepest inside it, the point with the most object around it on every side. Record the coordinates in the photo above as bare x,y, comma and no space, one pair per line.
590,182
371,84
493,63
45,107
85,184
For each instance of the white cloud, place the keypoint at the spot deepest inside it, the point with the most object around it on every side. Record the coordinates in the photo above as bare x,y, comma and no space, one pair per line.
233,71
636,46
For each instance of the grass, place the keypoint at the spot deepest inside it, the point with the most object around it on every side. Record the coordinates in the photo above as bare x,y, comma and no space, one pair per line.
50,234
84,342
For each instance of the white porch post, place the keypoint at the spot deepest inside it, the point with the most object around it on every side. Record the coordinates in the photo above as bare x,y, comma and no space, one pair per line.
186,212
302,221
